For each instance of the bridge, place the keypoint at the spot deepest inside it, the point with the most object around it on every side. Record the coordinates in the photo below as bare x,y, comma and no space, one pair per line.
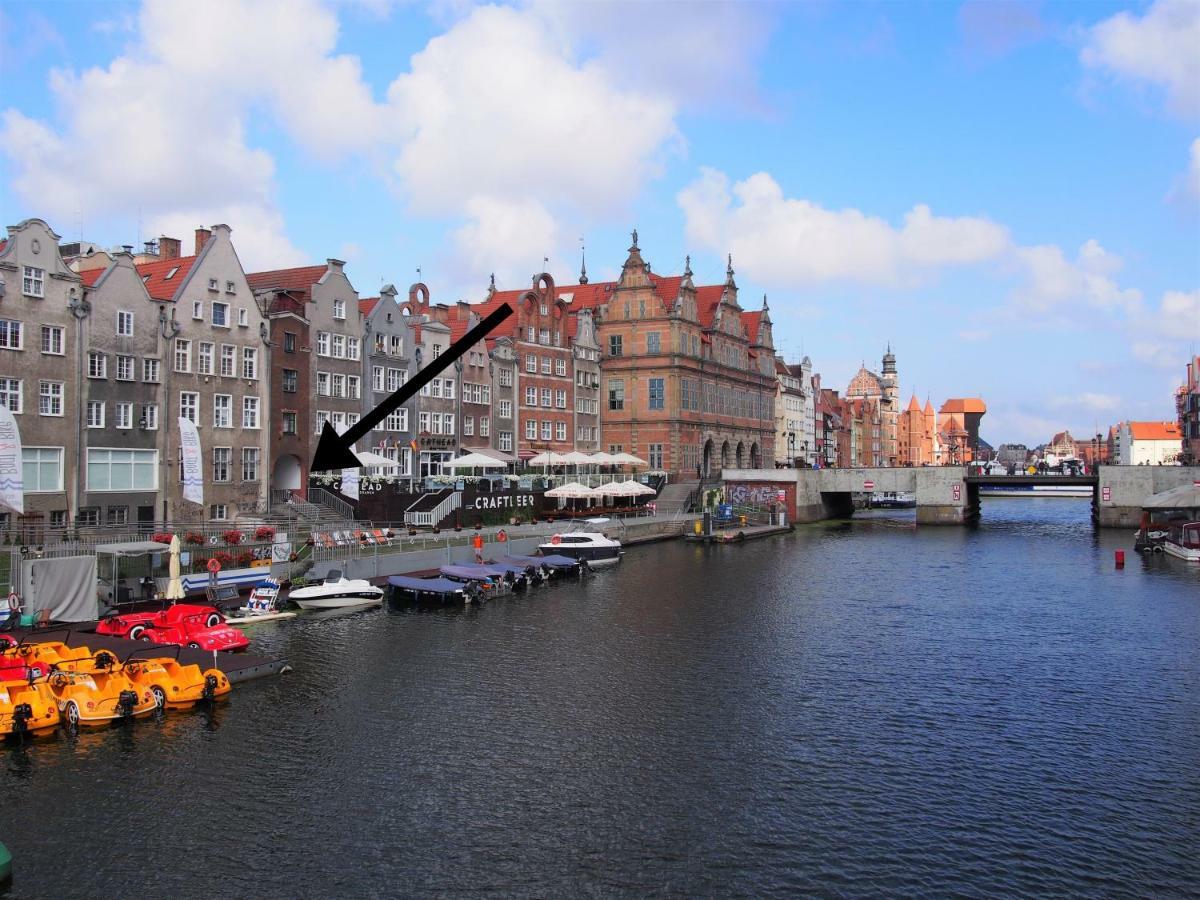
945,495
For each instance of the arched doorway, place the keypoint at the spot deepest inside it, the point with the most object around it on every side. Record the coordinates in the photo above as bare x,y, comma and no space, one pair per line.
725,455
286,474
706,457
741,455
755,456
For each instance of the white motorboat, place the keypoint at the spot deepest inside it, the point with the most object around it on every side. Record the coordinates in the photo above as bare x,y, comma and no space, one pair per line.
336,592
591,547
1183,541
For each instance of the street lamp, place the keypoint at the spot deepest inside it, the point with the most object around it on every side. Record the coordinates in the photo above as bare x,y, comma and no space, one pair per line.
792,449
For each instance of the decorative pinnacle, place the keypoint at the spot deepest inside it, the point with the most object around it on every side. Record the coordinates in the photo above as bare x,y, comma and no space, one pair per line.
635,244
687,265
583,279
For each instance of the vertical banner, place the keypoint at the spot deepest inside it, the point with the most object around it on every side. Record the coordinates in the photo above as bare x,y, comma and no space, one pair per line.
193,474
12,475
350,483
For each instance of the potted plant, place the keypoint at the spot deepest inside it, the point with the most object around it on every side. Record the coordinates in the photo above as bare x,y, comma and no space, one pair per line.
264,533
194,538
233,537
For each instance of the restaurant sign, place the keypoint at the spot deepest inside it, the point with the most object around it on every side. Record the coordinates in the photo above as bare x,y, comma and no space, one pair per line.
503,501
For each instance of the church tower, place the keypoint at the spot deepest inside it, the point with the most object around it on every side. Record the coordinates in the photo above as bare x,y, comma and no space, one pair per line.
890,409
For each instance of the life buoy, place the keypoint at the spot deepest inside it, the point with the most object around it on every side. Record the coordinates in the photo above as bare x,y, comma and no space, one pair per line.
556,540
14,602
214,565
502,535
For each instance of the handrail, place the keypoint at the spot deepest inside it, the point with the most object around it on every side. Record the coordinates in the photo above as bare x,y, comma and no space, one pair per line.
321,497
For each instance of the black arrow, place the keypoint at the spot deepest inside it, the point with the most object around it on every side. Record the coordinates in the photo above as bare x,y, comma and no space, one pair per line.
333,449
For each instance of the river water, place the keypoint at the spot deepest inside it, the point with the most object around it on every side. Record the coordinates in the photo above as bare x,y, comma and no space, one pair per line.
852,709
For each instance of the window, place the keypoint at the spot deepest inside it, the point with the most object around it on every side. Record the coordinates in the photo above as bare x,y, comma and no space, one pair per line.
222,456
531,396
338,385
560,399
322,418
230,287
183,355
220,315
530,334
88,517
353,387
243,316
117,515
124,416
227,353
289,342
506,440
95,414
505,410
289,423
149,417
656,456
124,323
124,368
322,343
352,348
10,334
34,282
150,370
58,518
547,363
531,363
338,346
448,423
547,429
52,340
531,429
250,363
423,422
485,426
189,406
204,358
448,388
653,342
560,366
396,345
616,345
222,411
468,425
250,463
560,431
249,412
657,394
322,384
395,378
544,336
377,378
616,393
212,285
397,420
547,398
122,470
506,377
218,512
97,364
291,381
42,469
10,394
339,309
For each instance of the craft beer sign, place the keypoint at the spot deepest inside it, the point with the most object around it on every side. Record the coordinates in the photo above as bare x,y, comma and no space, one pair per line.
503,501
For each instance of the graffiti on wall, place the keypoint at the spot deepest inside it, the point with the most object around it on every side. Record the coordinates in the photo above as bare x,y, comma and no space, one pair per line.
752,494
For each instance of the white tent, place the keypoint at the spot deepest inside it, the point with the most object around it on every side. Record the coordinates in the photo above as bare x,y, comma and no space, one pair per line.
572,490
473,461
577,458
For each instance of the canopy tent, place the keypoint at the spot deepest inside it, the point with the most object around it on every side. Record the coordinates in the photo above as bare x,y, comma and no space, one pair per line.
572,490
473,461
131,548
1186,496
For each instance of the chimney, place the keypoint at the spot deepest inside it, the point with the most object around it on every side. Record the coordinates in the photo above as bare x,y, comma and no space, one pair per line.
464,310
168,247
202,236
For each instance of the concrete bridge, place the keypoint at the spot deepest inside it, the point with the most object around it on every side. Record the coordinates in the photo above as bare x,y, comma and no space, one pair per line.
945,495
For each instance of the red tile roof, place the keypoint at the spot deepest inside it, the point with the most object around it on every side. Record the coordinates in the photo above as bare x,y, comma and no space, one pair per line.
91,276
301,278
964,405
1154,431
164,276
751,320
367,305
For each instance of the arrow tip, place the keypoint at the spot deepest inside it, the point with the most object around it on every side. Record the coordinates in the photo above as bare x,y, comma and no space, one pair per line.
332,452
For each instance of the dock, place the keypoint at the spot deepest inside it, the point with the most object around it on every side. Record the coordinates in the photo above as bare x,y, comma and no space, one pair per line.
237,667
737,535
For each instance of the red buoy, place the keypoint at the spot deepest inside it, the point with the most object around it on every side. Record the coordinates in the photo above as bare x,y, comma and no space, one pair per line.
1120,556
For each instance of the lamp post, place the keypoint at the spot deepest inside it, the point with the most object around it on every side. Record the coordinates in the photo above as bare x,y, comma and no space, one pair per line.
792,449
804,453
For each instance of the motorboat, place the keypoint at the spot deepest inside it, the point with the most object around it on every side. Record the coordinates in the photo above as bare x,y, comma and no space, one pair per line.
590,547
433,590
1183,541
263,605
893,500
336,592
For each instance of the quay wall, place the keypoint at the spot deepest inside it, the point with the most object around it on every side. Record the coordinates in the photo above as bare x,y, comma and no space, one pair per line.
1123,489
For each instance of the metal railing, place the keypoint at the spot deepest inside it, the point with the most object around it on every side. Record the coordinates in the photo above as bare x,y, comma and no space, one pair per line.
322,497
430,517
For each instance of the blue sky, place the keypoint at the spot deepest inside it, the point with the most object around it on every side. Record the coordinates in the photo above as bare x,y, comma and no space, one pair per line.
1009,193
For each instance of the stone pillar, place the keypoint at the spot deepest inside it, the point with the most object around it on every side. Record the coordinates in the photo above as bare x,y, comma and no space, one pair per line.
941,495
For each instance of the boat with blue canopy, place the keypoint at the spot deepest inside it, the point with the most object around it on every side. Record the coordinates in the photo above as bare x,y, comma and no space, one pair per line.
431,590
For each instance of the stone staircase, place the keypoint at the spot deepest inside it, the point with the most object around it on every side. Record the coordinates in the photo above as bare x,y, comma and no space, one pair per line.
677,497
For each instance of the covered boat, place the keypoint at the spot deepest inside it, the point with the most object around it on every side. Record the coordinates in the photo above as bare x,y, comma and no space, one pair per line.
551,563
431,590
492,579
1183,541
336,592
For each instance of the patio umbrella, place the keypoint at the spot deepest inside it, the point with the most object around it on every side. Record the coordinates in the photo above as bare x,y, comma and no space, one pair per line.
549,458
367,458
600,458
628,459
577,458
474,461
174,585
616,489
572,490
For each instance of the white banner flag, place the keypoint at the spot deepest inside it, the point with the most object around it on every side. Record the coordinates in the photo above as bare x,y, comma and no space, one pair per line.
350,483
12,475
193,473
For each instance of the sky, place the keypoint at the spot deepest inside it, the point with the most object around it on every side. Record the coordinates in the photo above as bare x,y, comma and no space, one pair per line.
1007,193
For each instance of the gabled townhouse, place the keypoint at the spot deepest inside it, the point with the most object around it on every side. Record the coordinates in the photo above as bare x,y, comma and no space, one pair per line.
292,438
41,304
214,374
475,379
390,339
503,360
437,403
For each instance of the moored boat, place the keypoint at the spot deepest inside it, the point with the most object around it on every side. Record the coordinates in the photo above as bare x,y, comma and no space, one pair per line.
1026,491
336,592
590,547
406,588
1183,541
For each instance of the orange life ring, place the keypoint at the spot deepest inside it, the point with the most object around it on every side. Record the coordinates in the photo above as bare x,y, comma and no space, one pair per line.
502,535
214,565
556,540
14,602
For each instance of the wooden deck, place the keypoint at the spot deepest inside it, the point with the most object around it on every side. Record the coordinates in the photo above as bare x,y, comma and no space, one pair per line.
733,535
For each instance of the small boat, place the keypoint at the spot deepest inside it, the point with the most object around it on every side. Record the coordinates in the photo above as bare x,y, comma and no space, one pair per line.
547,566
893,500
432,590
590,547
1183,541
491,581
336,592
263,605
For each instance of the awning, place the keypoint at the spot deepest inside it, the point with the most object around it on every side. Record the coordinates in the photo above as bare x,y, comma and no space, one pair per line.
131,548
1186,496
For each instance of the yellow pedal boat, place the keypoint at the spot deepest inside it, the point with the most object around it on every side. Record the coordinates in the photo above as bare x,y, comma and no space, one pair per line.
92,692
27,708
175,685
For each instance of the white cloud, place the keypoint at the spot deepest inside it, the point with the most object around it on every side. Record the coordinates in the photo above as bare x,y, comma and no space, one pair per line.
1055,282
1162,336
790,242
1089,401
1186,189
1158,48
506,237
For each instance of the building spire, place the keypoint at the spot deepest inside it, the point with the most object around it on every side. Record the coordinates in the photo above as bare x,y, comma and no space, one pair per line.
765,307
583,279
729,270
687,266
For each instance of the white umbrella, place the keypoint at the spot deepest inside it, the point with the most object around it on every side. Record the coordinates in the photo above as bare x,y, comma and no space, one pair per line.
572,490
636,489
615,489
549,458
174,585
628,459
601,458
473,461
577,458
367,458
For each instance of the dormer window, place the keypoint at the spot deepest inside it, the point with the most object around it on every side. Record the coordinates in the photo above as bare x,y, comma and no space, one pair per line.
171,273
212,284
339,309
